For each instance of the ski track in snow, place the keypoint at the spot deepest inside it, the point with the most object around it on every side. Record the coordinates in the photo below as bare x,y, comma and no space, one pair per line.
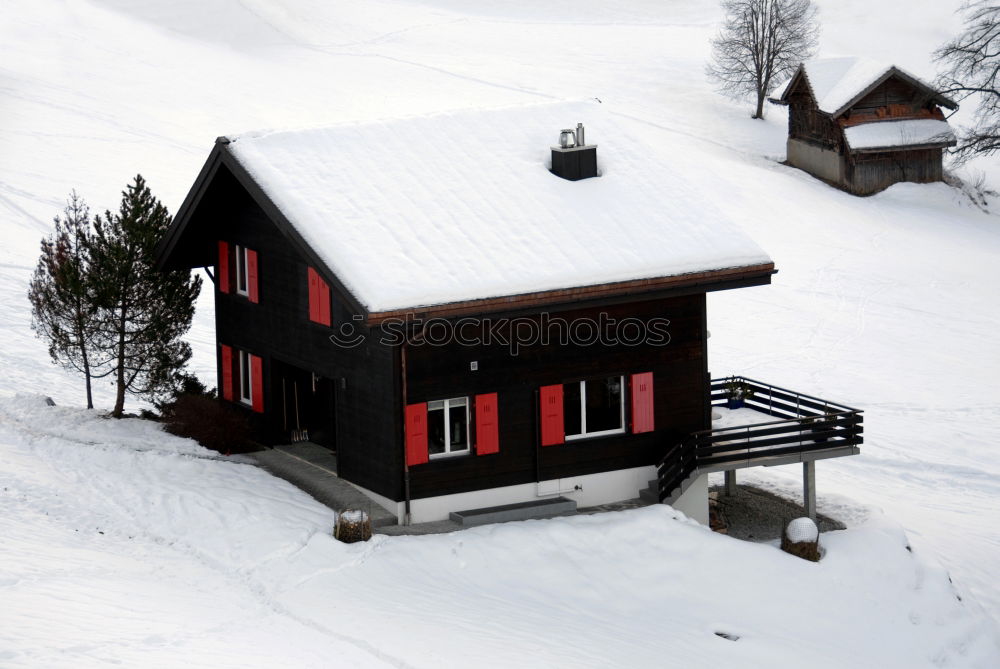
109,514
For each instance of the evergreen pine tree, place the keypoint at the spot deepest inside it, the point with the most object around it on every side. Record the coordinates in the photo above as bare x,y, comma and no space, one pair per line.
144,313
63,305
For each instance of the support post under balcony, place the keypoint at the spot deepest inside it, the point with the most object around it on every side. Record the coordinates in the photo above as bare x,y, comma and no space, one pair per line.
809,487
730,489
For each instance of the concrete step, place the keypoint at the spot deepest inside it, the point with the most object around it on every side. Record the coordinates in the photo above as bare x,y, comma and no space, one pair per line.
542,508
651,493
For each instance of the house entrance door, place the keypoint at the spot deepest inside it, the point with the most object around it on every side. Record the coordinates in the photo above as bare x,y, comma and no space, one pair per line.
308,406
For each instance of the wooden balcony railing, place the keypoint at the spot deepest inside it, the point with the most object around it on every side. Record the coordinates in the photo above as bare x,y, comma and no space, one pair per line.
806,426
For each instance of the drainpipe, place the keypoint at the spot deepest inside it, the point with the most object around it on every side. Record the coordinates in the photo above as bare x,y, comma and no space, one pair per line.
406,465
538,444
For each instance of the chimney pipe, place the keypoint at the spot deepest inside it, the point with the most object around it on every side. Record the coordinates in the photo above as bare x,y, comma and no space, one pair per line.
572,159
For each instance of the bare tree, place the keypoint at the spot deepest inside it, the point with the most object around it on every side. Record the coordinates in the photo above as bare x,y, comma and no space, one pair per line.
972,70
761,42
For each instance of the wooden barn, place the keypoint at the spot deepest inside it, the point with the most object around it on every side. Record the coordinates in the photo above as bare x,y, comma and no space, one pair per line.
472,323
863,125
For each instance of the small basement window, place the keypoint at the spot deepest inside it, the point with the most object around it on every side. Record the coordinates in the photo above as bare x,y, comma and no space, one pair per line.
242,279
448,427
594,407
246,383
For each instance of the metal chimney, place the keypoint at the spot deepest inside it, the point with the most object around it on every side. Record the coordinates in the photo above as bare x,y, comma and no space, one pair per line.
572,159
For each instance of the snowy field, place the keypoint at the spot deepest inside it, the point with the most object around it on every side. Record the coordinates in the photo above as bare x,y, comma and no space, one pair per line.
125,546
886,303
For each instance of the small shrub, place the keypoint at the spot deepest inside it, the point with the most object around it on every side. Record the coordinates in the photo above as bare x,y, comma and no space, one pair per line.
208,421
738,389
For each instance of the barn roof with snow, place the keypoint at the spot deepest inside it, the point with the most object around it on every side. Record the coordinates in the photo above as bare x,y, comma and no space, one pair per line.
838,83
461,207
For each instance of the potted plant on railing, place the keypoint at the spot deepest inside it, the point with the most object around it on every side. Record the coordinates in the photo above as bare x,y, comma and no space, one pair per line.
737,392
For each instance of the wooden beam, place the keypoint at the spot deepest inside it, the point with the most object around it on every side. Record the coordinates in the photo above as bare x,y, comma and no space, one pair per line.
575,297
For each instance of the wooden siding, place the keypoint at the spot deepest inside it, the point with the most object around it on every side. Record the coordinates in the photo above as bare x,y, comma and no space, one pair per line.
365,378
868,173
807,123
893,93
680,392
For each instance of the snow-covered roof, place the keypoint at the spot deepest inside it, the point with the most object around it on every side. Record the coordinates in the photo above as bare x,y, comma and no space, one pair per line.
902,133
461,206
837,82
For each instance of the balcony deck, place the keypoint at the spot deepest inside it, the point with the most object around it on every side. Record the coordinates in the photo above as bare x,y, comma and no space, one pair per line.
740,447
802,428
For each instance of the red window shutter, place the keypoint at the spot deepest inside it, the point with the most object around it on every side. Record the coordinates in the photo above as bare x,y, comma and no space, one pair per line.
551,412
642,402
313,295
324,302
222,269
416,434
487,432
319,298
227,372
252,292
257,381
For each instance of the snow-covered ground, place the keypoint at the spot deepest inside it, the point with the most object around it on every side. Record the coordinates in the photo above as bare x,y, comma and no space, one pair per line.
886,303
122,545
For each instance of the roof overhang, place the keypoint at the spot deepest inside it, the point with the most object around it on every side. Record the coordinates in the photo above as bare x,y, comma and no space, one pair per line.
893,71
583,296
801,72
913,147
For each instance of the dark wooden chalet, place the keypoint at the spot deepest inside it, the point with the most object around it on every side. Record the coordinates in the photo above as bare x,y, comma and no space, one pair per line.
463,327
863,126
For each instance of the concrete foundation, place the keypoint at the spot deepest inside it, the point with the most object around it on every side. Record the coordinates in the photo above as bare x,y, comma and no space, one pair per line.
586,490
823,163
694,502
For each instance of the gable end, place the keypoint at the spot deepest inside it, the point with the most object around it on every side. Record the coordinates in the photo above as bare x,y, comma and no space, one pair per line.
172,253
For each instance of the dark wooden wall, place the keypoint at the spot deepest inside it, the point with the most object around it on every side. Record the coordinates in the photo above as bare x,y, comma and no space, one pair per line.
871,172
365,378
892,91
680,395
806,122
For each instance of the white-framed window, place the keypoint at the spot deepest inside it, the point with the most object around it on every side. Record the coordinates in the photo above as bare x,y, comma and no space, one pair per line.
448,427
242,279
246,382
594,407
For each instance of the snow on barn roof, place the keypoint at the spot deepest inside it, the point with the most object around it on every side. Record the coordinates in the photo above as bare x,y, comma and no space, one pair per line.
902,133
837,82
461,206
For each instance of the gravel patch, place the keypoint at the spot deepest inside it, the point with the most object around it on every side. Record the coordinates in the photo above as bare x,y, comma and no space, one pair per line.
757,515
